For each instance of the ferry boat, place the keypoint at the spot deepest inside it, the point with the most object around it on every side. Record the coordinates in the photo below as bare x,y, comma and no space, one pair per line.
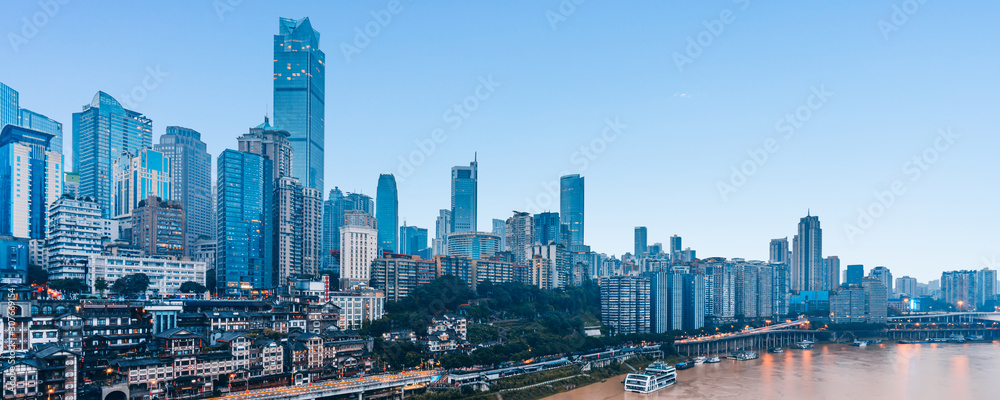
776,350
713,360
745,355
956,338
657,376
805,344
700,359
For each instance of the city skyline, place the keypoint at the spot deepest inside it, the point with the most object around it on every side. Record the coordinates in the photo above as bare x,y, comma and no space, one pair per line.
926,215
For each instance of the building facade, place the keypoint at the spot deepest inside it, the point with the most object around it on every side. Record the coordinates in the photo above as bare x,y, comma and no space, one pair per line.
625,304
300,95
244,258
387,213
191,181
358,248
571,195
30,181
807,255
464,197
158,227
165,276
76,231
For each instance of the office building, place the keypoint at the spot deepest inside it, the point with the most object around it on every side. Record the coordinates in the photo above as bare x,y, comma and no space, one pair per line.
165,276
778,251
550,229
387,213
158,228
333,218
464,197
571,193
300,97
675,247
30,181
641,242
9,106
520,229
101,133
191,181
883,275
473,245
807,258
137,177
412,240
625,304
298,228
358,248
500,229
204,250
12,114
76,231
245,258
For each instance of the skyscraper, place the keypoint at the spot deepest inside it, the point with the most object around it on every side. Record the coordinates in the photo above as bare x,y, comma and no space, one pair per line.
9,106
39,122
571,207
191,181
855,273
778,251
101,133
831,273
358,248
625,304
158,227
549,228
245,258
807,255
675,247
473,245
464,196
412,240
387,213
442,227
520,236
884,275
30,181
300,95
500,229
640,242
136,177
906,286
75,233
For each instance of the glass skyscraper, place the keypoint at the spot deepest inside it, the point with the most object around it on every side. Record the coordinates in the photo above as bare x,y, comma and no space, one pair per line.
571,206
299,96
640,242
101,132
8,106
387,213
30,181
412,239
191,180
548,228
333,218
244,258
464,194
39,122
807,255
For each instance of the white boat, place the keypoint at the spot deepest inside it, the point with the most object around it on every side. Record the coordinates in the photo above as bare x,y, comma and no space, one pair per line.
656,376
713,360
863,344
700,359
805,344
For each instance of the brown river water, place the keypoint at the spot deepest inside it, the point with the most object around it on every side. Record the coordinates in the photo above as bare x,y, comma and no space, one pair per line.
833,371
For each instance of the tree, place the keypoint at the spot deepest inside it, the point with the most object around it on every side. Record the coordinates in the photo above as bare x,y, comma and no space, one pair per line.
192,287
100,285
37,275
69,286
131,285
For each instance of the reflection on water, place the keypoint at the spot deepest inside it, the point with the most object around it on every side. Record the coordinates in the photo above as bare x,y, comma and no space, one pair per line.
886,371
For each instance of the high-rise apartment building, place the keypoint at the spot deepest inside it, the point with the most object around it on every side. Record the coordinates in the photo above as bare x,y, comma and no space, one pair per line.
30,181
500,229
625,304
442,228
76,231
831,273
191,181
807,255
884,275
549,229
300,96
520,229
778,251
387,213
158,227
101,133
464,197
558,263
571,207
473,245
137,177
906,286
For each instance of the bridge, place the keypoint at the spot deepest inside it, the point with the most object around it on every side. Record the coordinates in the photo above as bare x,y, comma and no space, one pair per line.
346,387
777,335
943,325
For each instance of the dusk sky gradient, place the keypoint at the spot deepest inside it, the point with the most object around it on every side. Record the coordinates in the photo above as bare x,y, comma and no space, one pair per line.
685,129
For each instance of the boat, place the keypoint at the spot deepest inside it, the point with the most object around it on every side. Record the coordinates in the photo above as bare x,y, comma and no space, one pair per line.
713,360
805,344
875,341
956,338
684,365
700,360
776,350
939,340
912,341
656,376
745,355
975,338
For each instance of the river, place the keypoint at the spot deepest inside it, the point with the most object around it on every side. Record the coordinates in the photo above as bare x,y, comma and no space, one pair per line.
833,371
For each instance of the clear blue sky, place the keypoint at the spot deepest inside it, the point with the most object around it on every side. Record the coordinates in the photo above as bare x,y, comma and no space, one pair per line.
686,129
